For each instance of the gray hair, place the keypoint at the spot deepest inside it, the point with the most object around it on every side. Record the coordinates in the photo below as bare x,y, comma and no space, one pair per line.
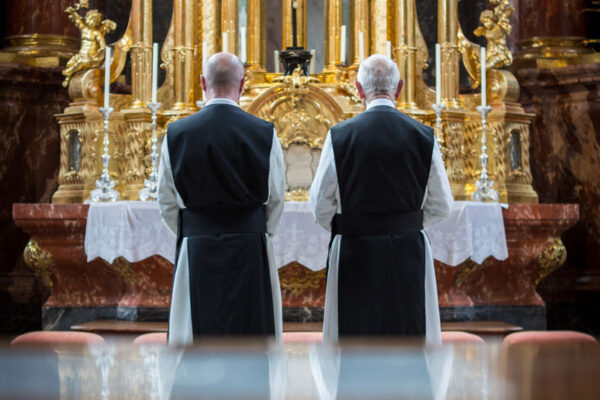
378,74
223,70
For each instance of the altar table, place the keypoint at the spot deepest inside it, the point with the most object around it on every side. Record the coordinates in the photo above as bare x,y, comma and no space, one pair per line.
134,230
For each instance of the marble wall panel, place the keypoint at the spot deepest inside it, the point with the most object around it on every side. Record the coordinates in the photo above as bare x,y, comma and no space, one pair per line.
565,160
43,16
552,18
29,157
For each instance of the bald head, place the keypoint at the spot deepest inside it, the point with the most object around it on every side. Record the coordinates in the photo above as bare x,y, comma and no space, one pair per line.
223,76
378,75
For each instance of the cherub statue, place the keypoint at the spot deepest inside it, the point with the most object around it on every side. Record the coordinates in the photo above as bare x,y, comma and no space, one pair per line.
93,29
495,26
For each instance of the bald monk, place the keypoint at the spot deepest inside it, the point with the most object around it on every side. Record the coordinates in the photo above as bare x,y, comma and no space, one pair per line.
221,192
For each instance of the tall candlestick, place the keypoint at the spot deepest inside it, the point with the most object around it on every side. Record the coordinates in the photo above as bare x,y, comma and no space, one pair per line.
276,60
313,60
483,78
388,48
224,42
343,45
438,74
243,44
107,64
361,46
154,71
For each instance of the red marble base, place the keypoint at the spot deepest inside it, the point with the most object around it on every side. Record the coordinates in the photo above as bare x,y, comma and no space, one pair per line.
533,236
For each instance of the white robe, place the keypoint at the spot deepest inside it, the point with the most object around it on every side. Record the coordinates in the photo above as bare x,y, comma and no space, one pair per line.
325,202
170,202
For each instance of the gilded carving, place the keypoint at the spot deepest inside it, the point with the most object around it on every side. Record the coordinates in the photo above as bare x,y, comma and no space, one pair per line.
93,29
300,111
123,268
551,259
297,195
463,271
296,281
39,260
495,27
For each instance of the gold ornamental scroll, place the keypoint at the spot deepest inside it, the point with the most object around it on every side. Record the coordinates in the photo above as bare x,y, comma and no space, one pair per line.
333,27
256,57
360,23
183,55
448,39
405,53
380,26
288,39
141,53
229,25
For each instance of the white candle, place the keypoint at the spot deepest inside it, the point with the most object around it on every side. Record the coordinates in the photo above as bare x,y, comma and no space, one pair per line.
438,74
483,78
313,60
276,60
388,48
361,46
154,71
107,64
224,41
343,46
243,55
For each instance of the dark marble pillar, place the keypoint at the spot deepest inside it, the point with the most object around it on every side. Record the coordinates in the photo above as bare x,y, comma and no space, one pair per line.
42,17
565,159
39,28
29,159
551,18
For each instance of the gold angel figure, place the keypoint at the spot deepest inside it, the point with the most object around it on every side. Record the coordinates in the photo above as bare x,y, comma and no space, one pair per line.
93,29
495,27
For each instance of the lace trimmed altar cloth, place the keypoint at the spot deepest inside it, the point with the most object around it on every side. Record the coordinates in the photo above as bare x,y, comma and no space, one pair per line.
134,230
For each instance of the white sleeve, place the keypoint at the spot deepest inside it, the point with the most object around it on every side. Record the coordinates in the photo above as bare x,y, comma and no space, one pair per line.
438,196
274,204
323,200
167,193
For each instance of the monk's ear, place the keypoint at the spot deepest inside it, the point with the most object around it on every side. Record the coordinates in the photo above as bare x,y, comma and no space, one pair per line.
361,92
399,89
241,88
203,82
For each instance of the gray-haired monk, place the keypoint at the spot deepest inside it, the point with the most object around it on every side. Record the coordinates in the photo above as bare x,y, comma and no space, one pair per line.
221,191
380,180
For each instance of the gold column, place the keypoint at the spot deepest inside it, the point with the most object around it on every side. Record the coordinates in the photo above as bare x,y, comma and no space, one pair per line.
229,24
300,23
380,25
183,55
360,23
448,39
211,25
333,27
256,41
406,54
141,53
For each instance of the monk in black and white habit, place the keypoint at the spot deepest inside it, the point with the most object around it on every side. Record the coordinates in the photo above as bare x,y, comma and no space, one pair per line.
221,191
380,179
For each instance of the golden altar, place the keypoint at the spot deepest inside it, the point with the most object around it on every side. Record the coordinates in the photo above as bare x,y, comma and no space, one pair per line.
302,108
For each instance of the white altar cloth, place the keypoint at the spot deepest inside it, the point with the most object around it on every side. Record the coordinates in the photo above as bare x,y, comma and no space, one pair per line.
134,230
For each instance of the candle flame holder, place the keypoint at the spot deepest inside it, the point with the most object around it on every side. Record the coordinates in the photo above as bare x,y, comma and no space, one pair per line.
485,188
150,190
105,186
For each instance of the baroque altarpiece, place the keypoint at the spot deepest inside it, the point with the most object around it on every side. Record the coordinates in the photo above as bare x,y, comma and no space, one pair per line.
302,106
